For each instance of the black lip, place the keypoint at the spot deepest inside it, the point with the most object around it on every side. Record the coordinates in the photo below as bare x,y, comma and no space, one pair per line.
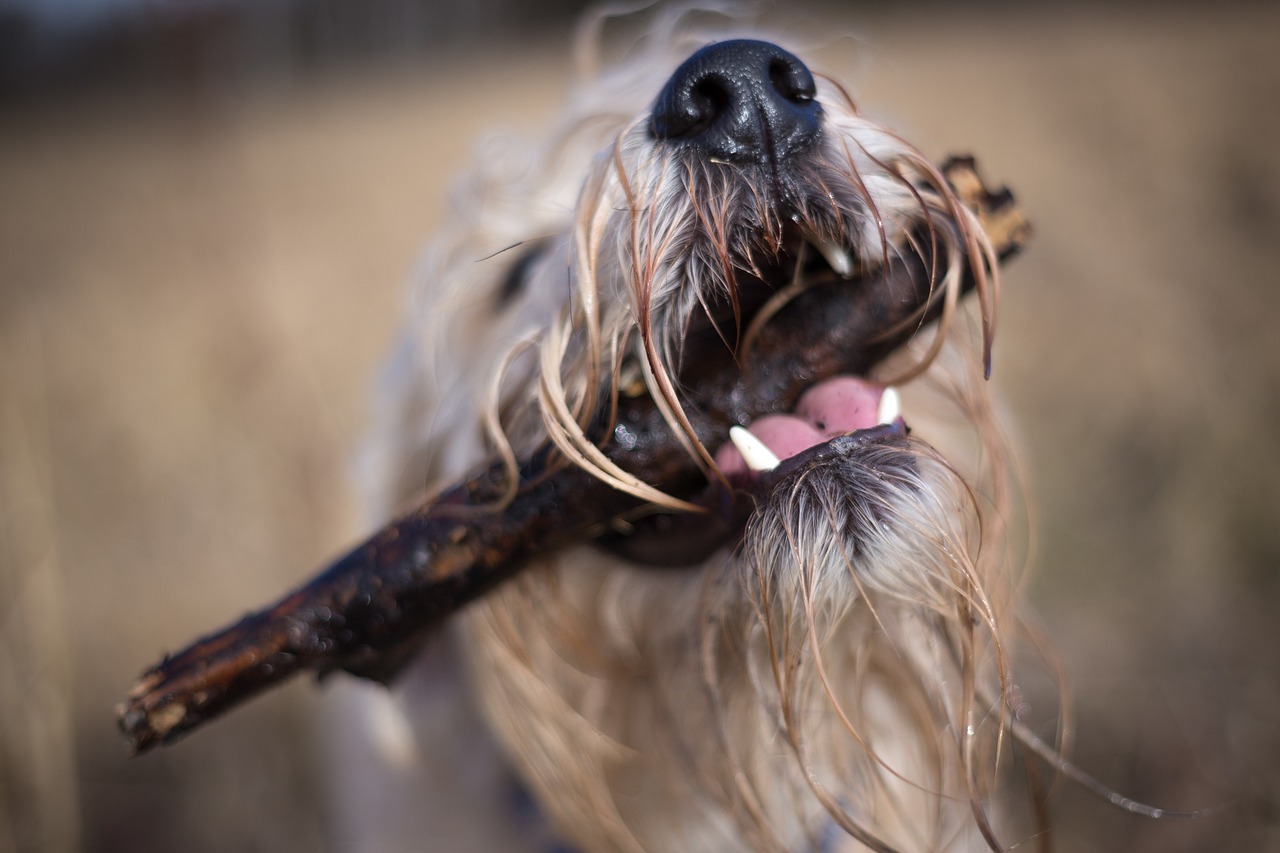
755,281
760,482
680,540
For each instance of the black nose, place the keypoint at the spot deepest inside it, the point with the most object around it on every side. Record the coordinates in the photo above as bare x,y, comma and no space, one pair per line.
742,101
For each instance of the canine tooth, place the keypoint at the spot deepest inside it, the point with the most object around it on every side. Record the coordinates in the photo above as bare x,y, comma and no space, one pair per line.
890,406
754,453
837,257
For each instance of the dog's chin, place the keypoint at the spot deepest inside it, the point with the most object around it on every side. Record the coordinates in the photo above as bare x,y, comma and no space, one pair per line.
788,680
788,687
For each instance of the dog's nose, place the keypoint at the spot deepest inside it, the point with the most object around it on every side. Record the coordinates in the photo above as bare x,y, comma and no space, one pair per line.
742,101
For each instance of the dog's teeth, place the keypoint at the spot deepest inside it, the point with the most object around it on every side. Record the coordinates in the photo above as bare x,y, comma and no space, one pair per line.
837,257
890,406
754,453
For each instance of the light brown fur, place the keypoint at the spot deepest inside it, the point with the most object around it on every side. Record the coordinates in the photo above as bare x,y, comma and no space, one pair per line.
803,691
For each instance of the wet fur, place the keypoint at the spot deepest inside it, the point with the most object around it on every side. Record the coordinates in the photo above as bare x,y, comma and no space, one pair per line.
837,680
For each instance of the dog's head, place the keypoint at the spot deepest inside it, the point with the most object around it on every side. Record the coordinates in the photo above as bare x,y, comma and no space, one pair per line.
831,653
669,222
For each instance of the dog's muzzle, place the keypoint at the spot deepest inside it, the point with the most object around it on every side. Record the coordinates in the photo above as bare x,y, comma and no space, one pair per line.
748,109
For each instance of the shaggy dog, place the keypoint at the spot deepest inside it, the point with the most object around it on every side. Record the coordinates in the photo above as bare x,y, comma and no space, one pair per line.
707,590
832,670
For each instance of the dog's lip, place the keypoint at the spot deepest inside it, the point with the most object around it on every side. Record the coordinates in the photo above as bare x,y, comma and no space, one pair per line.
822,430
679,540
801,257
832,418
834,406
837,255
836,447
809,254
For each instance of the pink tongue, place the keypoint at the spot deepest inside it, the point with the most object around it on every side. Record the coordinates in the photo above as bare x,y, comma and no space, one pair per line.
828,409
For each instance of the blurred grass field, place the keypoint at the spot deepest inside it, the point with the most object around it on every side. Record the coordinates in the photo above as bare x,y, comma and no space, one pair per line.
197,284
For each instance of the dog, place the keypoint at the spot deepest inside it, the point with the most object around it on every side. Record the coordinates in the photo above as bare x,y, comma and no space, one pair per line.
833,671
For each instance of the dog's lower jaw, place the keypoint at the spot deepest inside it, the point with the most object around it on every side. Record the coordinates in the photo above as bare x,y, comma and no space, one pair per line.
803,691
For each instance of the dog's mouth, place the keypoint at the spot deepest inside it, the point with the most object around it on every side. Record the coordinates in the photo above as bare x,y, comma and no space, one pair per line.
792,423
844,407
833,407
784,361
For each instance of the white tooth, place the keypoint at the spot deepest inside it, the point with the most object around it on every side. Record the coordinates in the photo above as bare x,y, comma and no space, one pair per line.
837,257
757,456
890,406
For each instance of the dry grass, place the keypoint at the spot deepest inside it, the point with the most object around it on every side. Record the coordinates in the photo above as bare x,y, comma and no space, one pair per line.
195,292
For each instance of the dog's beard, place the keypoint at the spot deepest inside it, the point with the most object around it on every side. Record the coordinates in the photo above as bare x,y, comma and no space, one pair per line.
821,675
839,666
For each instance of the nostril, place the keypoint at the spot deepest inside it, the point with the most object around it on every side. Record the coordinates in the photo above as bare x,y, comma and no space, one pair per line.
710,98
793,82
688,107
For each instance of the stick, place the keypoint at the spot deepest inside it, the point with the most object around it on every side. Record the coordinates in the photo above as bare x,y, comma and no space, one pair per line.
370,609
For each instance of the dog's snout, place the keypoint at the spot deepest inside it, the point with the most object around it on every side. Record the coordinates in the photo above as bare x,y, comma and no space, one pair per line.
741,101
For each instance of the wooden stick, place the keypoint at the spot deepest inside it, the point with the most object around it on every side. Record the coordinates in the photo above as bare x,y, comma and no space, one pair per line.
370,609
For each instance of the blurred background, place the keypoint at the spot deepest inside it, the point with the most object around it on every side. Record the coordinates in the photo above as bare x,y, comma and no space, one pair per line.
209,208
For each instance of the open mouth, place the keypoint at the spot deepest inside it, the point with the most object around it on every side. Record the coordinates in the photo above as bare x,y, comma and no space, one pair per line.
842,406
834,419
834,406
781,417
774,377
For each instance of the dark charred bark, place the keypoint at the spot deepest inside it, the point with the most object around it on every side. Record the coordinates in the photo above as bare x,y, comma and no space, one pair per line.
369,610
